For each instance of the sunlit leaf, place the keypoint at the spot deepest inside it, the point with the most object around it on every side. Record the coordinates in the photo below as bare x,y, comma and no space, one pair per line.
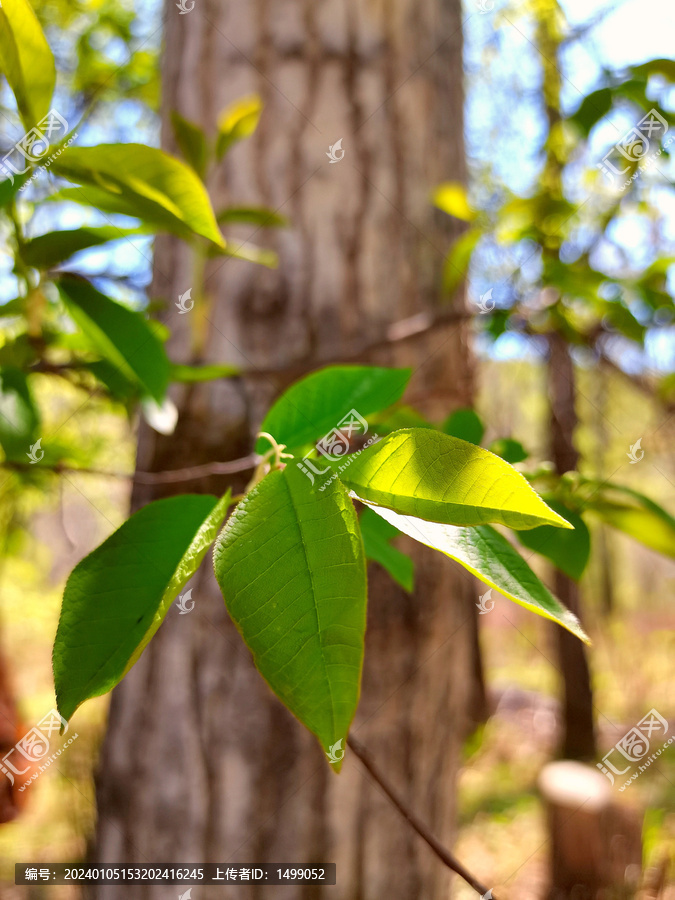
26,60
143,182
238,121
451,198
489,556
433,476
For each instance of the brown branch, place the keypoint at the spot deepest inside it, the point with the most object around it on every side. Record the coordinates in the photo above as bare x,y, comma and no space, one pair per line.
170,476
441,852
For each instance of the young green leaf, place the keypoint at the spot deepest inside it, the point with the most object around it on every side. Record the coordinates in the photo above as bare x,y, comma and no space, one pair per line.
55,247
451,198
489,556
26,60
510,450
117,597
316,404
144,182
376,534
568,550
251,215
433,476
121,335
210,372
19,418
291,567
238,121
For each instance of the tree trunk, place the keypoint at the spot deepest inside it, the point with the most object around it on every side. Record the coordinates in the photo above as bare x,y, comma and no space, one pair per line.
578,740
201,763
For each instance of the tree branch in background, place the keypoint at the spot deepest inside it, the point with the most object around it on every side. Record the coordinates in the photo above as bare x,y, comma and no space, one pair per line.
441,852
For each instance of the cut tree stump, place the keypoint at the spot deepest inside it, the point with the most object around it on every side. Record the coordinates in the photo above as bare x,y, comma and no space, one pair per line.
596,843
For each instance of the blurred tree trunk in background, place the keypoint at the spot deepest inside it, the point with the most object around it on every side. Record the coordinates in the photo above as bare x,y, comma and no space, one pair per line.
578,739
201,763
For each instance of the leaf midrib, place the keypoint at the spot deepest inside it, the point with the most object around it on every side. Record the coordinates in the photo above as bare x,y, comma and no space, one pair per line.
316,609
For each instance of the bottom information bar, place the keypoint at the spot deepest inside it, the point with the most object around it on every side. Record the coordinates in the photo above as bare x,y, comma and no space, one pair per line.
185,873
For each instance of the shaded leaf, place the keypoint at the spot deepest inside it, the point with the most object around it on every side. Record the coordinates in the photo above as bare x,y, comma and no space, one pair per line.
121,335
377,534
465,424
19,418
251,215
569,551
510,450
313,406
291,567
192,142
117,597
55,247
636,515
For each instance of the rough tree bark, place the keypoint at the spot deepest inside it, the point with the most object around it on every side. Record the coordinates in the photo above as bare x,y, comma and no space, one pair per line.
200,762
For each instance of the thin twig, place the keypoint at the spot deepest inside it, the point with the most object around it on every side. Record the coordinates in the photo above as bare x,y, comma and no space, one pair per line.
441,852
169,476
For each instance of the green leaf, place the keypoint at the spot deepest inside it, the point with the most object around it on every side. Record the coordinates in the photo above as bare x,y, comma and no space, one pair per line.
143,182
119,387
26,60
192,142
117,597
376,534
568,550
19,418
636,515
465,424
192,374
55,247
451,198
592,108
9,189
291,567
119,334
248,252
251,215
433,476
316,404
489,556
238,121
510,450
